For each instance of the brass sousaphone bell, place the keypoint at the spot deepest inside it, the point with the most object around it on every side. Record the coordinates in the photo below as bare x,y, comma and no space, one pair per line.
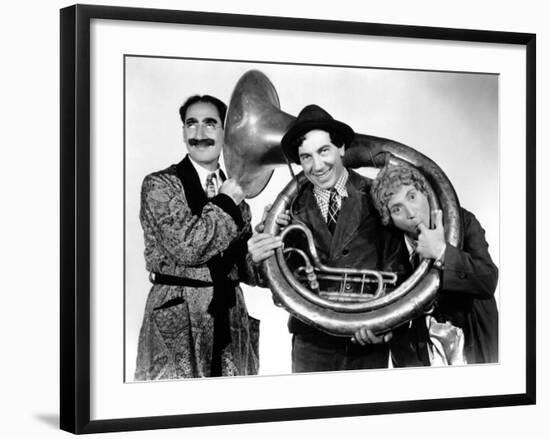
254,128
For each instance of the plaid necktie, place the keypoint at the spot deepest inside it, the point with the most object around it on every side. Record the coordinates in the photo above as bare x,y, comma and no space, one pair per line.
332,214
211,183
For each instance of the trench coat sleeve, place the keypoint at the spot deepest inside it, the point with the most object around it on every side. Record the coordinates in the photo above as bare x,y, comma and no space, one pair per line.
470,271
191,240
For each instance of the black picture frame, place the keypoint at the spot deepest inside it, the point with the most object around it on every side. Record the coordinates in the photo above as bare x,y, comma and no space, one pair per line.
75,217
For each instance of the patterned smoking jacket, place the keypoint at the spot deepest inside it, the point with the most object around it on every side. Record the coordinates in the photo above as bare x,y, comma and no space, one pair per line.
176,338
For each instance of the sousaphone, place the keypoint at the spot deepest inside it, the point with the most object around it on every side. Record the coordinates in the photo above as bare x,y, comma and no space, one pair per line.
254,128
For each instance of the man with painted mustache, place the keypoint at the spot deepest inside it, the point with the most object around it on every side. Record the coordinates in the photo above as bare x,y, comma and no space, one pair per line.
196,225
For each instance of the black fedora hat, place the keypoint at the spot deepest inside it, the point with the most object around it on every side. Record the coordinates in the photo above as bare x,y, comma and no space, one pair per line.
310,118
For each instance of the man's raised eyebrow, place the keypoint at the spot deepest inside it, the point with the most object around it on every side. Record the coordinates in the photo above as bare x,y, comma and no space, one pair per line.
391,206
191,119
210,120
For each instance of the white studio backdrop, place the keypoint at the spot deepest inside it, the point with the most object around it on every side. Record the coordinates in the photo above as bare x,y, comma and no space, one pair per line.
454,118
33,141
451,117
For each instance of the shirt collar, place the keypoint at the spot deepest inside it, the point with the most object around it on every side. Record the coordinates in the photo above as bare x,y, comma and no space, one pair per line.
411,244
340,187
203,173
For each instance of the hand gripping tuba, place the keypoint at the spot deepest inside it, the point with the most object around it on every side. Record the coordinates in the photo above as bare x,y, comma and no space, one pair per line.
254,128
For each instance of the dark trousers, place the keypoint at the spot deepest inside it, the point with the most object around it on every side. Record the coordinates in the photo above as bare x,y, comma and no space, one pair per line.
311,353
409,344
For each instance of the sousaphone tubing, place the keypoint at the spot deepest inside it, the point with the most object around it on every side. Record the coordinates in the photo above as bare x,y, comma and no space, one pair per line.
254,128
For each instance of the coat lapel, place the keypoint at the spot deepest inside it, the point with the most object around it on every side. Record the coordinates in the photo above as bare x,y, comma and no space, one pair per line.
194,193
354,211
310,214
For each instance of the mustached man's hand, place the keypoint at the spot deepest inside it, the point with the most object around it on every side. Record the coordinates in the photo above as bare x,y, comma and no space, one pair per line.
232,189
431,242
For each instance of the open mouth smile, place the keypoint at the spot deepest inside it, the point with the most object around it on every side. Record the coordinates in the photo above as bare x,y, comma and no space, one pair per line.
322,175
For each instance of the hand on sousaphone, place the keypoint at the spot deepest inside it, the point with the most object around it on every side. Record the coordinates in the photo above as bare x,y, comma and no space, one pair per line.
365,336
262,245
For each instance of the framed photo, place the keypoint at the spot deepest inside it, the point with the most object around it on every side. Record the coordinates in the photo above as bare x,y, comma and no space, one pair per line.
463,98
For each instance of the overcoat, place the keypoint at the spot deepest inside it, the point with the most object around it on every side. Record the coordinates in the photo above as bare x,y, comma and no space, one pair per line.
466,296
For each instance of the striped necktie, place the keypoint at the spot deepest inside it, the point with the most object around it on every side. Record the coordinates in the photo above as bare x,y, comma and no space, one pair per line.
332,214
211,185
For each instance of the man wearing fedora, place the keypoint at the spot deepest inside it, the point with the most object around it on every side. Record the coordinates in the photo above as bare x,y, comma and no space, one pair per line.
335,204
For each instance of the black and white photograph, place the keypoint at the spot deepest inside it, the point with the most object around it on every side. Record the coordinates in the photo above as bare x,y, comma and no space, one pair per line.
381,139
287,217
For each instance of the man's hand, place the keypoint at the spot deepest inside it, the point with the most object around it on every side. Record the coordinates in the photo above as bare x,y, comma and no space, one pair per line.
431,242
365,336
232,189
262,245
283,219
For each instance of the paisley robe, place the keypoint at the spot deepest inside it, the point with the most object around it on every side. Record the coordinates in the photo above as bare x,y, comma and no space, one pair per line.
177,334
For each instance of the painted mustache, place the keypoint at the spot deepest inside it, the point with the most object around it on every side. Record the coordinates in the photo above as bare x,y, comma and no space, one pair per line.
201,142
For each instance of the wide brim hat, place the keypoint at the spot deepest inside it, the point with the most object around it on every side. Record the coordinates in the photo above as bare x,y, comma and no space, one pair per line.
310,118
